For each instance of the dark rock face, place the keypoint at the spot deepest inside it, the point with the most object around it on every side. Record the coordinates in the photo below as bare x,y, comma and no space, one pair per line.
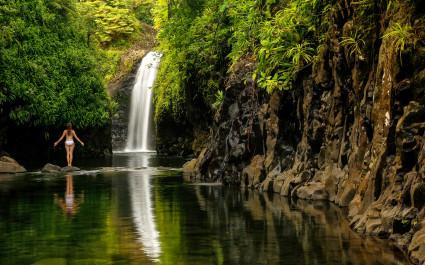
173,138
352,132
120,118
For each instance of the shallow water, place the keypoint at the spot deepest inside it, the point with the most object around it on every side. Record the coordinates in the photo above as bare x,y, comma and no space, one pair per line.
140,212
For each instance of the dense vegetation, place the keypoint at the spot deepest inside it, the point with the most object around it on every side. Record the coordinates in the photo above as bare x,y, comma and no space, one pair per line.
56,57
204,39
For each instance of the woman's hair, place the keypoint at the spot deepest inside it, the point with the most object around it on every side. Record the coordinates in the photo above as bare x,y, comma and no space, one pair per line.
69,128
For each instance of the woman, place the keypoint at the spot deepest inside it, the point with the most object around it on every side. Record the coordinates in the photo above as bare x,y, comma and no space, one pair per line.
69,133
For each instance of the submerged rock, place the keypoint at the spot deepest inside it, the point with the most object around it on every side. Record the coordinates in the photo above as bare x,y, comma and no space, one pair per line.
9,165
189,169
70,169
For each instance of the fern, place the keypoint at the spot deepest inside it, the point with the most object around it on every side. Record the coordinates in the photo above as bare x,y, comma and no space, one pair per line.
355,44
219,98
300,54
402,37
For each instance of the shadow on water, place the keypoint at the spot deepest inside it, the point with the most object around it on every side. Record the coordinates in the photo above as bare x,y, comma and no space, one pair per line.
152,217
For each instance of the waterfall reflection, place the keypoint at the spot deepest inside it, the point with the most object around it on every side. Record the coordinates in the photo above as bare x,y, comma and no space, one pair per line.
261,229
69,204
142,211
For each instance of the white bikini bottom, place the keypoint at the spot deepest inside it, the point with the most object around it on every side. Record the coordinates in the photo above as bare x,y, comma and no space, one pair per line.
69,142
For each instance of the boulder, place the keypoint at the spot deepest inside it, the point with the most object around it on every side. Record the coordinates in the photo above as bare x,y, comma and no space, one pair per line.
9,165
50,168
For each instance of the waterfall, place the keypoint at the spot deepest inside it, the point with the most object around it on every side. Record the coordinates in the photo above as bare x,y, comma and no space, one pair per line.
140,120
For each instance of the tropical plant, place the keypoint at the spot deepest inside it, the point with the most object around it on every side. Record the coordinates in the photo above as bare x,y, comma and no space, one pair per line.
108,20
355,44
48,74
301,53
219,99
402,36
194,41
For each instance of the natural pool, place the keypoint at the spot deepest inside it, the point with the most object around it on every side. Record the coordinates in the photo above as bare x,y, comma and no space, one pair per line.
140,212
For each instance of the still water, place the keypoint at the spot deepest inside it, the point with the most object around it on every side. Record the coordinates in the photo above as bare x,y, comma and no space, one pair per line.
140,212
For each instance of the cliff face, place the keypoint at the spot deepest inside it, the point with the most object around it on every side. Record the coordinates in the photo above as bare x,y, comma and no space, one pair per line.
352,132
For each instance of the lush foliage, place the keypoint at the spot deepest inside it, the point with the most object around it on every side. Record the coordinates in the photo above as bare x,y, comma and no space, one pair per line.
202,40
109,20
193,37
113,27
48,74
57,55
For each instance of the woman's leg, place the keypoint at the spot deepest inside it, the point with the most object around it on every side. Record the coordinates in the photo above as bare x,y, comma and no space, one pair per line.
68,151
71,154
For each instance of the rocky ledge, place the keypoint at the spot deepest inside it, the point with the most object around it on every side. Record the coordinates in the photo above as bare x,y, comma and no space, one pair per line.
352,132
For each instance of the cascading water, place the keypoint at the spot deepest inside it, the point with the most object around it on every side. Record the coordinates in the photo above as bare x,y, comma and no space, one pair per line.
140,121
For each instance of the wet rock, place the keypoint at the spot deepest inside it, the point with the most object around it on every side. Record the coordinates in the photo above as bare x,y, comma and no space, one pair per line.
70,169
253,174
312,191
9,165
267,185
416,248
50,168
189,169
346,195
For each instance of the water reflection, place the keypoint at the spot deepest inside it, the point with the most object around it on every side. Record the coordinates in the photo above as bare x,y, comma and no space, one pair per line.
69,204
268,229
141,206
144,220
151,217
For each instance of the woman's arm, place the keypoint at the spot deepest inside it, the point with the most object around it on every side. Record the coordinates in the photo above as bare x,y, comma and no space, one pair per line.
60,139
76,137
